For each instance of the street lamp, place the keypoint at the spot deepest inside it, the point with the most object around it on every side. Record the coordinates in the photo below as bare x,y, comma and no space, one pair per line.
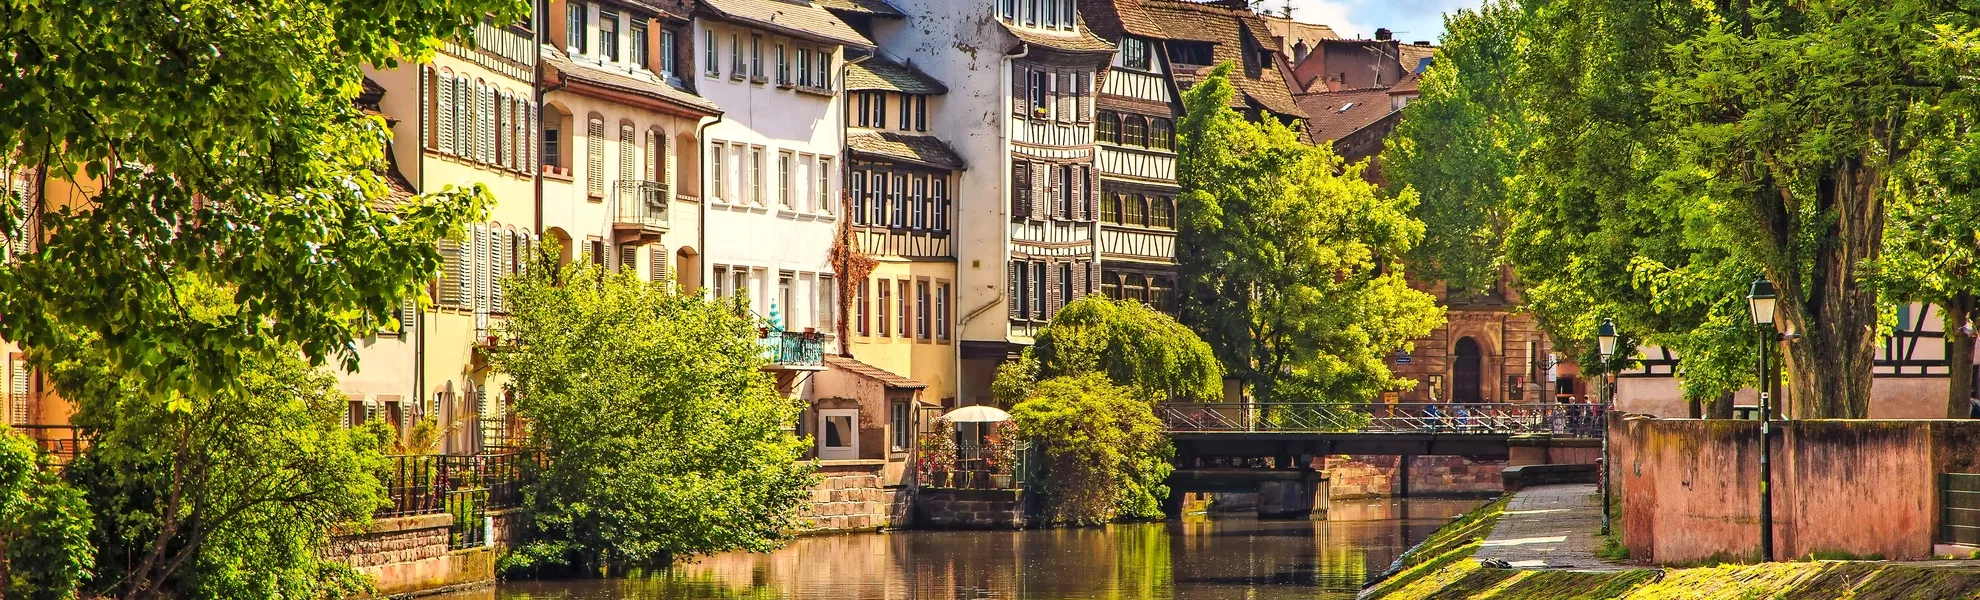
1761,300
1605,345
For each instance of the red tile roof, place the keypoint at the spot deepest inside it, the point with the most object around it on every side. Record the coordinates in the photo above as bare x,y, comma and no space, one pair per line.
800,19
1332,115
885,377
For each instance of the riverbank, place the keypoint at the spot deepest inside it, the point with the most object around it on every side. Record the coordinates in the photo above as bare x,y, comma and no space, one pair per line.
1451,564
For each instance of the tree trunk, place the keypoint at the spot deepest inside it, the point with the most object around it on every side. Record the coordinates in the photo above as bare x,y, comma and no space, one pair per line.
1694,407
1721,407
1829,365
1959,312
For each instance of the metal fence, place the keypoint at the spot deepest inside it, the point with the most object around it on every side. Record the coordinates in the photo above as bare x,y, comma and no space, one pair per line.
794,348
1959,512
469,508
62,442
426,484
979,467
1578,420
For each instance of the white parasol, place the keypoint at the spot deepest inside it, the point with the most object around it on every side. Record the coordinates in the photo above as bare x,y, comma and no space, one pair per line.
977,414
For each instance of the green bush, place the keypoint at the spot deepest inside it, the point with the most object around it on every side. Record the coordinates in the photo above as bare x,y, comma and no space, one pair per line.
1105,451
44,526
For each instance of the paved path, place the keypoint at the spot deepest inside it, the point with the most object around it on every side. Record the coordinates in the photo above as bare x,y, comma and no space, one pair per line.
1549,527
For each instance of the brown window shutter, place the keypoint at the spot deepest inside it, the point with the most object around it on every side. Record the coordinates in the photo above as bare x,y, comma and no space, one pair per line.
1052,191
1020,190
1081,281
1081,190
1011,297
1039,197
1084,92
1020,96
1092,274
1052,300
1064,114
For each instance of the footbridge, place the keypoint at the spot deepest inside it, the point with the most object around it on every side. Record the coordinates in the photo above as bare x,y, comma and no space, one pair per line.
1272,446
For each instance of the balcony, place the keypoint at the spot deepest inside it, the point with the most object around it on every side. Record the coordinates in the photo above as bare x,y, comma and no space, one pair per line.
793,350
641,209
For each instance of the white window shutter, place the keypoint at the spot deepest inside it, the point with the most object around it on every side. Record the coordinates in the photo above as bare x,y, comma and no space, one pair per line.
629,259
18,391
480,268
627,166
535,138
446,110
462,124
657,270
497,268
594,163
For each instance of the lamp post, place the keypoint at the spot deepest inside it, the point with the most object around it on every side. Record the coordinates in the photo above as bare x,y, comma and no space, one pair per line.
1605,346
1761,300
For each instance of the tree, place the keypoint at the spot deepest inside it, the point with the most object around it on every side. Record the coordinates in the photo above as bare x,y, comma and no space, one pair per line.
44,526
230,494
1106,452
1292,261
1133,345
662,435
1932,241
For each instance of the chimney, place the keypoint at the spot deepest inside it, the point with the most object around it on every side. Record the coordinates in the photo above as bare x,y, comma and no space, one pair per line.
1424,43
1383,34
1300,50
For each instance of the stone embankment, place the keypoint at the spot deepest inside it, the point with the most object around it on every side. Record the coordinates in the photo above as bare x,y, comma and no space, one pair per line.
1540,544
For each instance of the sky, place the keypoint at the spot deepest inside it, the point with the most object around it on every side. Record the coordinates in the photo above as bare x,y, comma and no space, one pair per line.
1411,19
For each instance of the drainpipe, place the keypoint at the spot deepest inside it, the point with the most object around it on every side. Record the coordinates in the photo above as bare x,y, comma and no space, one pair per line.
419,316
706,268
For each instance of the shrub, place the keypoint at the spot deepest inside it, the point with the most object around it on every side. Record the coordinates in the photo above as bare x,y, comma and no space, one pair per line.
1105,452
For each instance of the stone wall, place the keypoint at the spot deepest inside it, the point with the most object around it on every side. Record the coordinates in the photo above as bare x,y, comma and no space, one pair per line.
940,508
408,555
1690,488
1378,476
850,496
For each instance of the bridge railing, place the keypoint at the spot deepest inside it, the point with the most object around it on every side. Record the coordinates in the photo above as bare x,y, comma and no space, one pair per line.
1577,420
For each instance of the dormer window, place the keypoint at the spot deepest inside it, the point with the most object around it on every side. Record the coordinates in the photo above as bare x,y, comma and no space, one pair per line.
1049,14
1134,53
577,18
608,34
638,34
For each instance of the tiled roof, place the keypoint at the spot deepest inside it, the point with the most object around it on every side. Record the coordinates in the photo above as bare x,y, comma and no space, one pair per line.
1292,32
1407,85
1081,41
1331,115
877,8
1230,31
800,19
1412,56
1111,19
625,82
883,376
919,149
368,98
878,73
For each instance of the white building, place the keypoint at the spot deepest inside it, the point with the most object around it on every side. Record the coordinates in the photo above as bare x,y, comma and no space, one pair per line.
1021,77
773,159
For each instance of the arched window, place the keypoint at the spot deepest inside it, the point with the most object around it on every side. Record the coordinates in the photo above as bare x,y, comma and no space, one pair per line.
1134,131
1162,134
1137,210
1110,207
1109,127
1136,287
1162,212
1110,285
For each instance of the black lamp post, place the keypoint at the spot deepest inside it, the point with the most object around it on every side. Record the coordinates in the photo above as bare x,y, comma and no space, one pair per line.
1761,300
1605,345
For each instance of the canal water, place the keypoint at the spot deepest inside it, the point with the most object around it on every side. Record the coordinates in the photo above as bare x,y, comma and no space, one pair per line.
1234,556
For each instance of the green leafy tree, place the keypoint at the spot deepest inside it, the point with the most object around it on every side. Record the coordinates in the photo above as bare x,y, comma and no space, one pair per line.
1293,263
44,526
1106,453
1932,240
1134,345
230,494
662,435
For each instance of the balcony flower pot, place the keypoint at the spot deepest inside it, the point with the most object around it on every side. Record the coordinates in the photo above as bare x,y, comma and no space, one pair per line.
1001,481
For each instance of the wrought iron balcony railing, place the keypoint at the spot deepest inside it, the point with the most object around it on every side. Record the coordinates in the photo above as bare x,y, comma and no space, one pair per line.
794,349
643,203
1578,420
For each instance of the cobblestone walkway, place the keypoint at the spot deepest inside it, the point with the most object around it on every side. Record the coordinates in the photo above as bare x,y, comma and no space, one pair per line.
1549,527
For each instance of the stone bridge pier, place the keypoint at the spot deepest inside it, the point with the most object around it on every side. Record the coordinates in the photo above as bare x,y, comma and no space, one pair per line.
1289,493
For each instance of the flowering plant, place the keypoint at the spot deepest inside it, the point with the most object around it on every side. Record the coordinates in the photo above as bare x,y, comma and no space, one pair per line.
1001,449
937,453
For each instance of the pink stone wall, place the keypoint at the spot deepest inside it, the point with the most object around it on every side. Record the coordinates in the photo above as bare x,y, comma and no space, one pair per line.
1352,477
1690,488
850,496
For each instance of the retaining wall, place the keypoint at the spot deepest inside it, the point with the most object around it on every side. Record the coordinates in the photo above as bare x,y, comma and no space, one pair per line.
407,555
851,496
941,508
1690,488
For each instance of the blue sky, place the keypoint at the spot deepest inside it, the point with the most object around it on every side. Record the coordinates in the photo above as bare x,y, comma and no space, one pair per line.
1411,19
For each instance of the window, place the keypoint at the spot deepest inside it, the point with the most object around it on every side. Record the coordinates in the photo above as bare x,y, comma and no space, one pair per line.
1110,207
735,56
1051,13
575,16
715,183
940,220
1038,291
1136,209
1135,286
1021,295
865,111
667,48
921,113
1067,18
898,424
785,180
804,66
1108,127
1110,285
1134,53
859,197
903,314
922,310
825,185
880,199
820,77
756,56
1065,283
1162,134
942,311
897,198
886,304
552,150
783,66
1041,105
824,316
714,65
1134,131
1009,8
879,109
1162,212
920,202
594,157
608,34
638,35
1159,295
859,307
907,112
1031,15
756,176
1066,191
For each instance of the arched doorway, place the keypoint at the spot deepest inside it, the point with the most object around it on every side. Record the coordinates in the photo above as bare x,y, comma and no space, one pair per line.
1464,371
687,270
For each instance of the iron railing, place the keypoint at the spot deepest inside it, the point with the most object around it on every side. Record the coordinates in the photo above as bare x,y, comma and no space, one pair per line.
61,442
424,484
644,203
978,467
1577,420
469,508
1959,509
794,349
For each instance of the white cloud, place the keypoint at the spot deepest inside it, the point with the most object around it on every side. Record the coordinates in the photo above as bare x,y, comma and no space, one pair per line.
1337,14
1410,19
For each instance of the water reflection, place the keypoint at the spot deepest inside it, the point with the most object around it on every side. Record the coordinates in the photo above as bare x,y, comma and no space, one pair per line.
1225,557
